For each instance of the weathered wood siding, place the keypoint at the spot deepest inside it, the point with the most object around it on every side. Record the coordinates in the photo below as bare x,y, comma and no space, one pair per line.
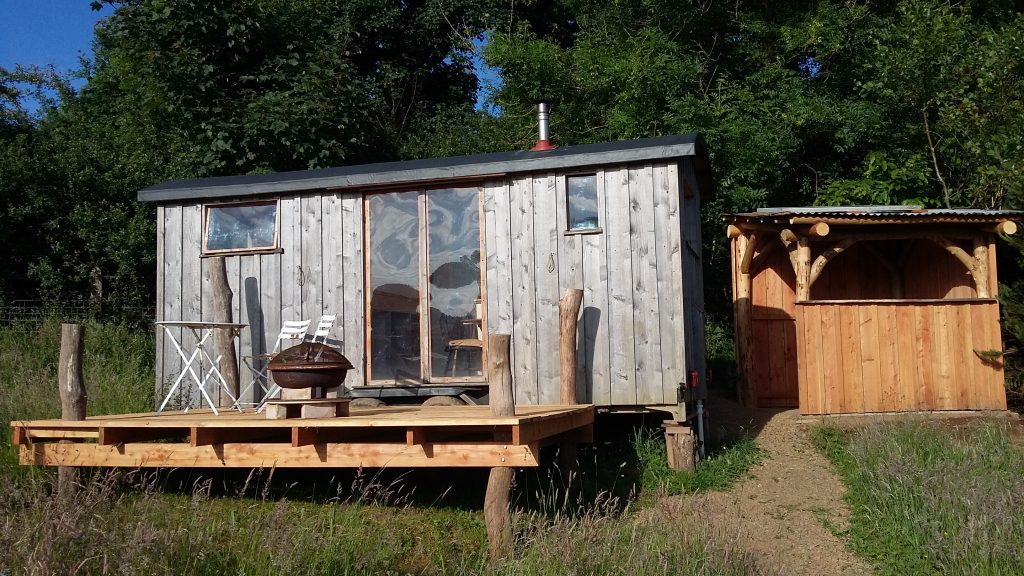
319,271
643,307
855,348
899,356
642,314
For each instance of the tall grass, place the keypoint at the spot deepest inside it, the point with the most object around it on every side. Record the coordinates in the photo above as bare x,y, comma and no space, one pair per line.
724,464
117,367
931,498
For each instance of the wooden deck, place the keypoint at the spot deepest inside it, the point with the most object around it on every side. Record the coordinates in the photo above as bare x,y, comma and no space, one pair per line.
416,436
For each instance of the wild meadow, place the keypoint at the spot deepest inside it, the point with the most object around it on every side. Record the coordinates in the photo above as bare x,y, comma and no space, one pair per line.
933,497
615,519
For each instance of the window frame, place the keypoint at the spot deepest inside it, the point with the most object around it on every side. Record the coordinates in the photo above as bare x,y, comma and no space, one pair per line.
569,231
273,249
426,378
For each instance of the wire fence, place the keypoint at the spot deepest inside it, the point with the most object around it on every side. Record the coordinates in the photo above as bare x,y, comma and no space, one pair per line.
35,312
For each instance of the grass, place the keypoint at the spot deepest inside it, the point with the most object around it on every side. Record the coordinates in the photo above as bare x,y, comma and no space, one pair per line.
933,498
355,522
722,466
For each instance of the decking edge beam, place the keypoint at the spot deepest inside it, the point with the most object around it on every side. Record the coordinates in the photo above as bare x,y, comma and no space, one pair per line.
282,455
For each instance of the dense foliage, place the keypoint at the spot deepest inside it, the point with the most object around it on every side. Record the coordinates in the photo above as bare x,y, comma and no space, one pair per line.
800,103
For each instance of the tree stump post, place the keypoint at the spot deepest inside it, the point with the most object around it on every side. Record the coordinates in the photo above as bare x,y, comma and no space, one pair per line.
73,397
568,315
225,339
499,483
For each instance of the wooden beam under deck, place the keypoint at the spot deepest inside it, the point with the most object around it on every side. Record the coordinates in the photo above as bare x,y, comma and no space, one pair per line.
442,436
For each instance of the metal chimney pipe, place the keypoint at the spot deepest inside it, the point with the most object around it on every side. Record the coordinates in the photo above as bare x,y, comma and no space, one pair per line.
543,113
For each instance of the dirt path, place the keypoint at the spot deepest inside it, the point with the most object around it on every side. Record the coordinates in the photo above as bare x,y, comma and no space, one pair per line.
782,513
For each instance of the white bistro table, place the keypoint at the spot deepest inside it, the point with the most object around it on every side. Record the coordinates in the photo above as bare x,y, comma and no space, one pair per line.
203,332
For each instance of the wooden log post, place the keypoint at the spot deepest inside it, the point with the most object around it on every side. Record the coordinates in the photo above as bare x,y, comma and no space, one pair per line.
73,397
568,314
499,483
225,339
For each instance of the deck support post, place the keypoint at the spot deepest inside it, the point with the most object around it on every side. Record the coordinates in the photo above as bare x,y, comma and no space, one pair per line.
499,483
73,397
224,338
568,314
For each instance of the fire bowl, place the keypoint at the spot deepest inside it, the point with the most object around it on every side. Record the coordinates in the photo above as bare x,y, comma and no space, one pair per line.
309,365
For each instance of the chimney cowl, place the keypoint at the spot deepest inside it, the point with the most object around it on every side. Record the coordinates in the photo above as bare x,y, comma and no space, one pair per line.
543,143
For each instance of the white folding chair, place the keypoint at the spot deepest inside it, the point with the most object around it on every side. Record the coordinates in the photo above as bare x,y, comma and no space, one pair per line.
292,331
323,328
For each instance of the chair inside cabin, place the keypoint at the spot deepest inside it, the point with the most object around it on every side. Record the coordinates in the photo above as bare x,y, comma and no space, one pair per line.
473,342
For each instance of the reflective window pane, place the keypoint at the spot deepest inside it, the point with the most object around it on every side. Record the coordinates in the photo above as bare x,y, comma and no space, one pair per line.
581,192
454,274
241,227
394,249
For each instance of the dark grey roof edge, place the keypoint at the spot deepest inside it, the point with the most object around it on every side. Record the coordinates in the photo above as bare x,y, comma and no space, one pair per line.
410,171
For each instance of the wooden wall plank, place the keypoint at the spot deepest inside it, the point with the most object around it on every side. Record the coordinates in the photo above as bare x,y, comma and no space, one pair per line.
942,357
170,305
813,379
546,231
693,277
159,311
995,341
270,296
597,346
252,340
832,360
191,278
669,275
906,396
923,346
870,365
353,307
312,263
570,275
984,374
333,242
291,259
887,339
646,306
622,365
524,319
853,382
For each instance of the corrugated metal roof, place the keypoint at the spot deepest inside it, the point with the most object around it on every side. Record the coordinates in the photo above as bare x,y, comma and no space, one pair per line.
432,169
876,214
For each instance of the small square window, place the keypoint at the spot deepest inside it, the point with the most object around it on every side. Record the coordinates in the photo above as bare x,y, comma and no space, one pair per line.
581,192
249,227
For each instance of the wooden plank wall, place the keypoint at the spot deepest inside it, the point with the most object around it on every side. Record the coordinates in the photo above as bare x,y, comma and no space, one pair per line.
891,357
643,312
635,329
319,271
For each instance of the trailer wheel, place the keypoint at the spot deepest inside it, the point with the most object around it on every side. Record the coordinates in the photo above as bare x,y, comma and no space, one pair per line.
444,401
367,403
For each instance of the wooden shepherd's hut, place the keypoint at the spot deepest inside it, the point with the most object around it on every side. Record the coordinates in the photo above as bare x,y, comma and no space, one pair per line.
421,260
868,309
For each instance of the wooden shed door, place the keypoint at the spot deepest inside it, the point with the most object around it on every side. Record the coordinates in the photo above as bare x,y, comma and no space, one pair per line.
773,325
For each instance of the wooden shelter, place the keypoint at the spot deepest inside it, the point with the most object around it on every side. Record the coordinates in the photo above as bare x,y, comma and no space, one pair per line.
868,309
421,260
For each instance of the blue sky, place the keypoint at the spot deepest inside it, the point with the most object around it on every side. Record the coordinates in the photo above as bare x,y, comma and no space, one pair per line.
44,32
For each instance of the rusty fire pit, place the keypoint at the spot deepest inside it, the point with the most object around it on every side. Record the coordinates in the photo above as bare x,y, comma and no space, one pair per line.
309,365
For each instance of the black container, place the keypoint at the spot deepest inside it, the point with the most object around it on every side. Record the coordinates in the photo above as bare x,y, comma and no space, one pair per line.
309,365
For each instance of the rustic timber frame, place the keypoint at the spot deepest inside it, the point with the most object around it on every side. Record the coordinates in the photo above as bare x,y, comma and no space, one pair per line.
641,331
868,309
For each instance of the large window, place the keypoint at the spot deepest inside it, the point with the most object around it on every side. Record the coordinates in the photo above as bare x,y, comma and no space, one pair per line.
425,286
247,227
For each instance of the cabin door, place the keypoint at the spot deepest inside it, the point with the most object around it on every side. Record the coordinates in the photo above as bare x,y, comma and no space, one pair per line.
425,286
